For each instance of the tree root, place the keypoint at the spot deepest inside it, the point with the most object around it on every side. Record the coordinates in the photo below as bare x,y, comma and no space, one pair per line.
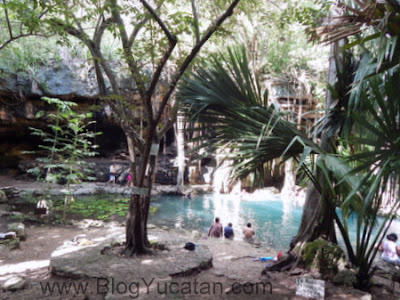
133,251
286,264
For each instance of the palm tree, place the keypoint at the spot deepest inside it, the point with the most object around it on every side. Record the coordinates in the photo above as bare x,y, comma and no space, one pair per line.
372,128
226,99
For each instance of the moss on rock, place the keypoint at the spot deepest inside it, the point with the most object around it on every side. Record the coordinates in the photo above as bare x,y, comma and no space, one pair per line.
324,257
3,197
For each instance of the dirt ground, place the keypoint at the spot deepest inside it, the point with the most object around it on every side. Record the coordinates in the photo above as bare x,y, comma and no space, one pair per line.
232,265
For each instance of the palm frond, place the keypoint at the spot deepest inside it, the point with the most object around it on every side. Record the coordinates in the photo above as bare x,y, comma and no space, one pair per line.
226,98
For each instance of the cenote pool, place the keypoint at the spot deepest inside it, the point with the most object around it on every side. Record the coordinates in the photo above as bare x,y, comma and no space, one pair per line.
274,221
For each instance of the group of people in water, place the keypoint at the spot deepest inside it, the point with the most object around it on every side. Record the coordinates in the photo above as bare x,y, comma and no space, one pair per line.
217,230
390,249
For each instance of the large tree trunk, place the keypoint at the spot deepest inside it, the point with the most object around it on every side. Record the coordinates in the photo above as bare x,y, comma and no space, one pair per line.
136,223
317,222
319,209
317,219
136,233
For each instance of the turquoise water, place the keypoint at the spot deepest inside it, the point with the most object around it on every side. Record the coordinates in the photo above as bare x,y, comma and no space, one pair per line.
274,221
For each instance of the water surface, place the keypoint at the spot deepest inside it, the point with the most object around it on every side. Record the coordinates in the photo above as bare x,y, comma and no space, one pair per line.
274,221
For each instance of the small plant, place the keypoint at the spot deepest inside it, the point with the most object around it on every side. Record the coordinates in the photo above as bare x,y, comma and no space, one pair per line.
65,146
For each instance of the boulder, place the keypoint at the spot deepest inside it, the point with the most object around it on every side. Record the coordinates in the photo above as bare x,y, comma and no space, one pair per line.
3,197
14,283
18,228
196,234
88,223
151,226
10,244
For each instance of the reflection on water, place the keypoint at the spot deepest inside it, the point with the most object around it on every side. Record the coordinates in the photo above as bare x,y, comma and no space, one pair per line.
274,221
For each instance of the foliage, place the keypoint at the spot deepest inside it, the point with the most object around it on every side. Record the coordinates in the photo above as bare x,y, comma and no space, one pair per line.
324,256
277,46
155,42
150,52
65,146
374,145
305,12
370,122
225,100
372,27
96,207
67,143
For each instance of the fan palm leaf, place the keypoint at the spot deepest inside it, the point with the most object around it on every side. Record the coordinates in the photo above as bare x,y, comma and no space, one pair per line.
226,98
372,169
374,27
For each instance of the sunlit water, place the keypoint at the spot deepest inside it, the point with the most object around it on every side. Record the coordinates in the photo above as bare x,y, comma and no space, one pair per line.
274,221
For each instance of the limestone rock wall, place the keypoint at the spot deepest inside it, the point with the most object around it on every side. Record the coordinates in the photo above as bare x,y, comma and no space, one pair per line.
20,100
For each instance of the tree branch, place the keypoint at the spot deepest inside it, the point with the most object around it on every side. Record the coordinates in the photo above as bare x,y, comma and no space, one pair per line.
117,18
172,43
7,20
20,35
166,126
169,35
139,26
178,75
3,45
156,76
196,22
214,26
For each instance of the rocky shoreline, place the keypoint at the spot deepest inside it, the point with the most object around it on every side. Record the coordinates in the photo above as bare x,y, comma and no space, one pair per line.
227,264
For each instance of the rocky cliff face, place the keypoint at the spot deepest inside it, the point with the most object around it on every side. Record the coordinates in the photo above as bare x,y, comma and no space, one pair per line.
20,100
73,80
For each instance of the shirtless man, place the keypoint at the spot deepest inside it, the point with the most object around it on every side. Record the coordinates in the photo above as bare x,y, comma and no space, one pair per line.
111,173
248,231
215,229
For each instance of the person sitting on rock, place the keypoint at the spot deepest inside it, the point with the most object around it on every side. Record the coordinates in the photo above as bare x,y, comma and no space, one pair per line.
390,249
228,231
215,229
248,231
